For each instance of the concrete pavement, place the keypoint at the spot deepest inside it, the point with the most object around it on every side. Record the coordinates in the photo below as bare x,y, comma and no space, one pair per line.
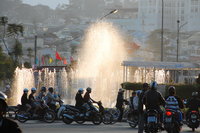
88,127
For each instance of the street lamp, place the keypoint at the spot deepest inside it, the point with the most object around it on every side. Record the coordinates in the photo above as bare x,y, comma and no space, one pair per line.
111,12
178,31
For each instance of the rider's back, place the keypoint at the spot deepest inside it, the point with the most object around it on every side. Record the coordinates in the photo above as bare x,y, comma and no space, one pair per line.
193,103
153,99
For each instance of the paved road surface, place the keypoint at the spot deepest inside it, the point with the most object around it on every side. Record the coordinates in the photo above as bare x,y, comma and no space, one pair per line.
59,127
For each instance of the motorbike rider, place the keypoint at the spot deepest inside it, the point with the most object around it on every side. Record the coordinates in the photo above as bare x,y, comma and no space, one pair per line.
193,103
79,99
88,100
24,100
173,102
42,93
145,87
153,99
33,102
120,103
51,99
6,125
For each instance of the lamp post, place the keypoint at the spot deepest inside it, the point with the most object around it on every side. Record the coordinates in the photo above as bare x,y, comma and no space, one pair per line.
35,50
178,32
111,12
162,14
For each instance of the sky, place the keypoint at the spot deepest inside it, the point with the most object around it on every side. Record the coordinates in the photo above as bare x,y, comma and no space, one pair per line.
51,3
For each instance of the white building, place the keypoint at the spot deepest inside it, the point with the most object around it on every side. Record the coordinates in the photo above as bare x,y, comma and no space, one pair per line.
186,11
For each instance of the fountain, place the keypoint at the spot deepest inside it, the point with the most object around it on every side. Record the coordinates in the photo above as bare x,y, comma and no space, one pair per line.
99,68
100,62
23,78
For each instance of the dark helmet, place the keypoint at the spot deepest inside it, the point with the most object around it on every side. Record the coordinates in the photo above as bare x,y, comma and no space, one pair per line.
89,89
172,90
44,89
3,103
145,85
50,89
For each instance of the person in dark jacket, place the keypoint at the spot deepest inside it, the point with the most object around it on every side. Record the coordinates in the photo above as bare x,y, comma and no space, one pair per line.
6,125
140,108
120,103
153,99
193,103
25,101
79,99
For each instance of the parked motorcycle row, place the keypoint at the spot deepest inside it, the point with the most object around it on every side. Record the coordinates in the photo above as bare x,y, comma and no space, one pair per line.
66,113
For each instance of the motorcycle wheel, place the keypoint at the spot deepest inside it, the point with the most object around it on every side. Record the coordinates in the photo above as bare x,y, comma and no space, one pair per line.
97,119
21,119
81,121
133,120
107,118
67,120
49,116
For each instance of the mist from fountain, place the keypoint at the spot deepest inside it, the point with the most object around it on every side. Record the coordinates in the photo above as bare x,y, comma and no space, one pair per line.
23,78
100,62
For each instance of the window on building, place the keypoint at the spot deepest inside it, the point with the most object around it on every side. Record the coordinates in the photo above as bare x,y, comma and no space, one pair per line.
191,42
182,18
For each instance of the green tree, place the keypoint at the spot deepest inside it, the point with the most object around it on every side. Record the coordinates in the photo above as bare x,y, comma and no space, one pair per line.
17,51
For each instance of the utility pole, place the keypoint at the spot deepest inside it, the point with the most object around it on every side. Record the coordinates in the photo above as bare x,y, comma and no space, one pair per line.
162,29
35,49
178,38
177,46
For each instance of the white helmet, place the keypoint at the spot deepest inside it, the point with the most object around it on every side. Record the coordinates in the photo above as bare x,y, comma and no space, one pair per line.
3,96
25,89
194,94
153,85
33,89
80,90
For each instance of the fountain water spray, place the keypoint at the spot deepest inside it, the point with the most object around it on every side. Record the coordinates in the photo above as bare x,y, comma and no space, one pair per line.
23,78
100,62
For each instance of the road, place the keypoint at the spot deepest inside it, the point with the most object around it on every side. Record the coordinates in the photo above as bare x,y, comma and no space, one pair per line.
60,127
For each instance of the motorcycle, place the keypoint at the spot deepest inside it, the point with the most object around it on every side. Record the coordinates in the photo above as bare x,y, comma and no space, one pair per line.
193,119
45,114
71,114
133,118
171,122
152,124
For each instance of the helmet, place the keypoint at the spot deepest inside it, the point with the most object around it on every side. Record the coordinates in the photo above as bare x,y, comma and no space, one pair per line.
80,90
172,90
25,89
43,89
194,94
50,89
88,89
145,85
153,85
33,89
3,98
